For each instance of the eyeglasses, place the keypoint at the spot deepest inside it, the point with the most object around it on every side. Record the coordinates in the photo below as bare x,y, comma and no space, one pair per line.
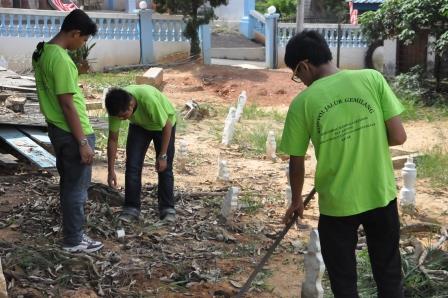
295,76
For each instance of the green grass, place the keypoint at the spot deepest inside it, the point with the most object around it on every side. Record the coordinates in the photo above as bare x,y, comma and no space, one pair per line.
101,136
98,80
252,139
416,111
433,165
416,284
253,112
250,204
181,124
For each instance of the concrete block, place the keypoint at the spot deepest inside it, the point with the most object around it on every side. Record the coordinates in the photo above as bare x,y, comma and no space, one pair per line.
153,77
94,105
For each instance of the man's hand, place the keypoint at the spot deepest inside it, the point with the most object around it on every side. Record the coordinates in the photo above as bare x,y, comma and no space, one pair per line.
86,153
161,165
112,179
296,206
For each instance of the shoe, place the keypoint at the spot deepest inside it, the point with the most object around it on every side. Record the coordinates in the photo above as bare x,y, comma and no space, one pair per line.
169,218
86,245
127,217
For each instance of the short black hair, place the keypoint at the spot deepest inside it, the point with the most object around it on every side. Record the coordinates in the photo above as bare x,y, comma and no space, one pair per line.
309,45
117,101
79,20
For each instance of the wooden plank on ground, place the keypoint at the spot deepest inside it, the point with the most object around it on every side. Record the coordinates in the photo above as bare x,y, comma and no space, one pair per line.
8,159
17,88
27,147
36,134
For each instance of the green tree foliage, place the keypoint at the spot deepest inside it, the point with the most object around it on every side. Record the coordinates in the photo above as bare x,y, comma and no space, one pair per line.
403,19
286,8
195,12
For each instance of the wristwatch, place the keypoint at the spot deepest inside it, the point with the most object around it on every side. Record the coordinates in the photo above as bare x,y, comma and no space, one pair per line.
162,157
83,142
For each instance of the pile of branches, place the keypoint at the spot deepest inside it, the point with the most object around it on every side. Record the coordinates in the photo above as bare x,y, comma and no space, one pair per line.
180,255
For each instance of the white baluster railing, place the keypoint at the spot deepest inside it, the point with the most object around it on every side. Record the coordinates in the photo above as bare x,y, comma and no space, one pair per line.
47,23
351,35
168,28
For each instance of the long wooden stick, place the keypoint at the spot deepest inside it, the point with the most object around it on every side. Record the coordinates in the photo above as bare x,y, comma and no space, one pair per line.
271,249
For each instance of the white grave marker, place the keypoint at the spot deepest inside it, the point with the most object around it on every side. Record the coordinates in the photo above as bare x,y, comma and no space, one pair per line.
240,105
314,269
407,192
223,171
182,155
229,127
271,145
230,203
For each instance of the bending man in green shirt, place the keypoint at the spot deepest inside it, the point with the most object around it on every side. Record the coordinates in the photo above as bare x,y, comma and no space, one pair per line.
351,117
152,118
63,105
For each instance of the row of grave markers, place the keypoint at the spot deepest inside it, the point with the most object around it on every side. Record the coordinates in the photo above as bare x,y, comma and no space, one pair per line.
314,265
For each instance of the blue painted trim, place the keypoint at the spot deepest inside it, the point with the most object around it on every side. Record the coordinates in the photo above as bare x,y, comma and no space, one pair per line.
366,6
146,37
246,23
206,42
271,40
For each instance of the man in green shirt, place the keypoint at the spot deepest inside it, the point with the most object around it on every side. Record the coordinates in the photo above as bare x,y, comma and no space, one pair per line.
351,117
63,105
152,118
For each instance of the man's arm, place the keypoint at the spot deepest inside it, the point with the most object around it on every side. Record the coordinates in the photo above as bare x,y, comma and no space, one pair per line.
396,135
297,176
166,136
112,144
72,118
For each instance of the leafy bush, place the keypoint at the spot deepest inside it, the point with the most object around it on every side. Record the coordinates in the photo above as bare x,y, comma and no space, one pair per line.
413,86
80,56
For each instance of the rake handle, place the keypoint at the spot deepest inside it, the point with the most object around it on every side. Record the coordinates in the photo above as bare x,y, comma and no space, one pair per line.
273,246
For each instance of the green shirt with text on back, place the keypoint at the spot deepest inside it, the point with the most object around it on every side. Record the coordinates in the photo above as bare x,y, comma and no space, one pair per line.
153,109
343,115
56,74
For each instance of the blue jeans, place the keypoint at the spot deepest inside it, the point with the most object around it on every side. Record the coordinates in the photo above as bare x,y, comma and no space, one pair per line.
74,181
137,144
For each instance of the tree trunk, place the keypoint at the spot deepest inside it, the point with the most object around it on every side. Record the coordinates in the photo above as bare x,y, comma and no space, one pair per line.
195,48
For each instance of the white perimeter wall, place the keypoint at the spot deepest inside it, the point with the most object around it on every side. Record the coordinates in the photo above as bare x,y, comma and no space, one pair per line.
350,58
231,12
162,49
106,53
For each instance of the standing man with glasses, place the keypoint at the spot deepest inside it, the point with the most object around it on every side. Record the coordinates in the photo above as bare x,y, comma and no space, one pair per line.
351,117
63,105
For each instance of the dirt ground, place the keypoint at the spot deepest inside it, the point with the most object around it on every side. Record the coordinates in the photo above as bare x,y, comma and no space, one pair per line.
262,183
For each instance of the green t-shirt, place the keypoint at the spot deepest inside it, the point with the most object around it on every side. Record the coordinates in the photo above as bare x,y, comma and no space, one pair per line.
153,109
343,115
56,74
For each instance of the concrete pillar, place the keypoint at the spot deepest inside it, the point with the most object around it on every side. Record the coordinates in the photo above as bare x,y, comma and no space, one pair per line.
146,38
246,25
390,57
206,43
271,43
131,6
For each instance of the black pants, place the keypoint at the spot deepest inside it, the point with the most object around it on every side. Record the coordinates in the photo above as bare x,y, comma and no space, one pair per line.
338,238
136,147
